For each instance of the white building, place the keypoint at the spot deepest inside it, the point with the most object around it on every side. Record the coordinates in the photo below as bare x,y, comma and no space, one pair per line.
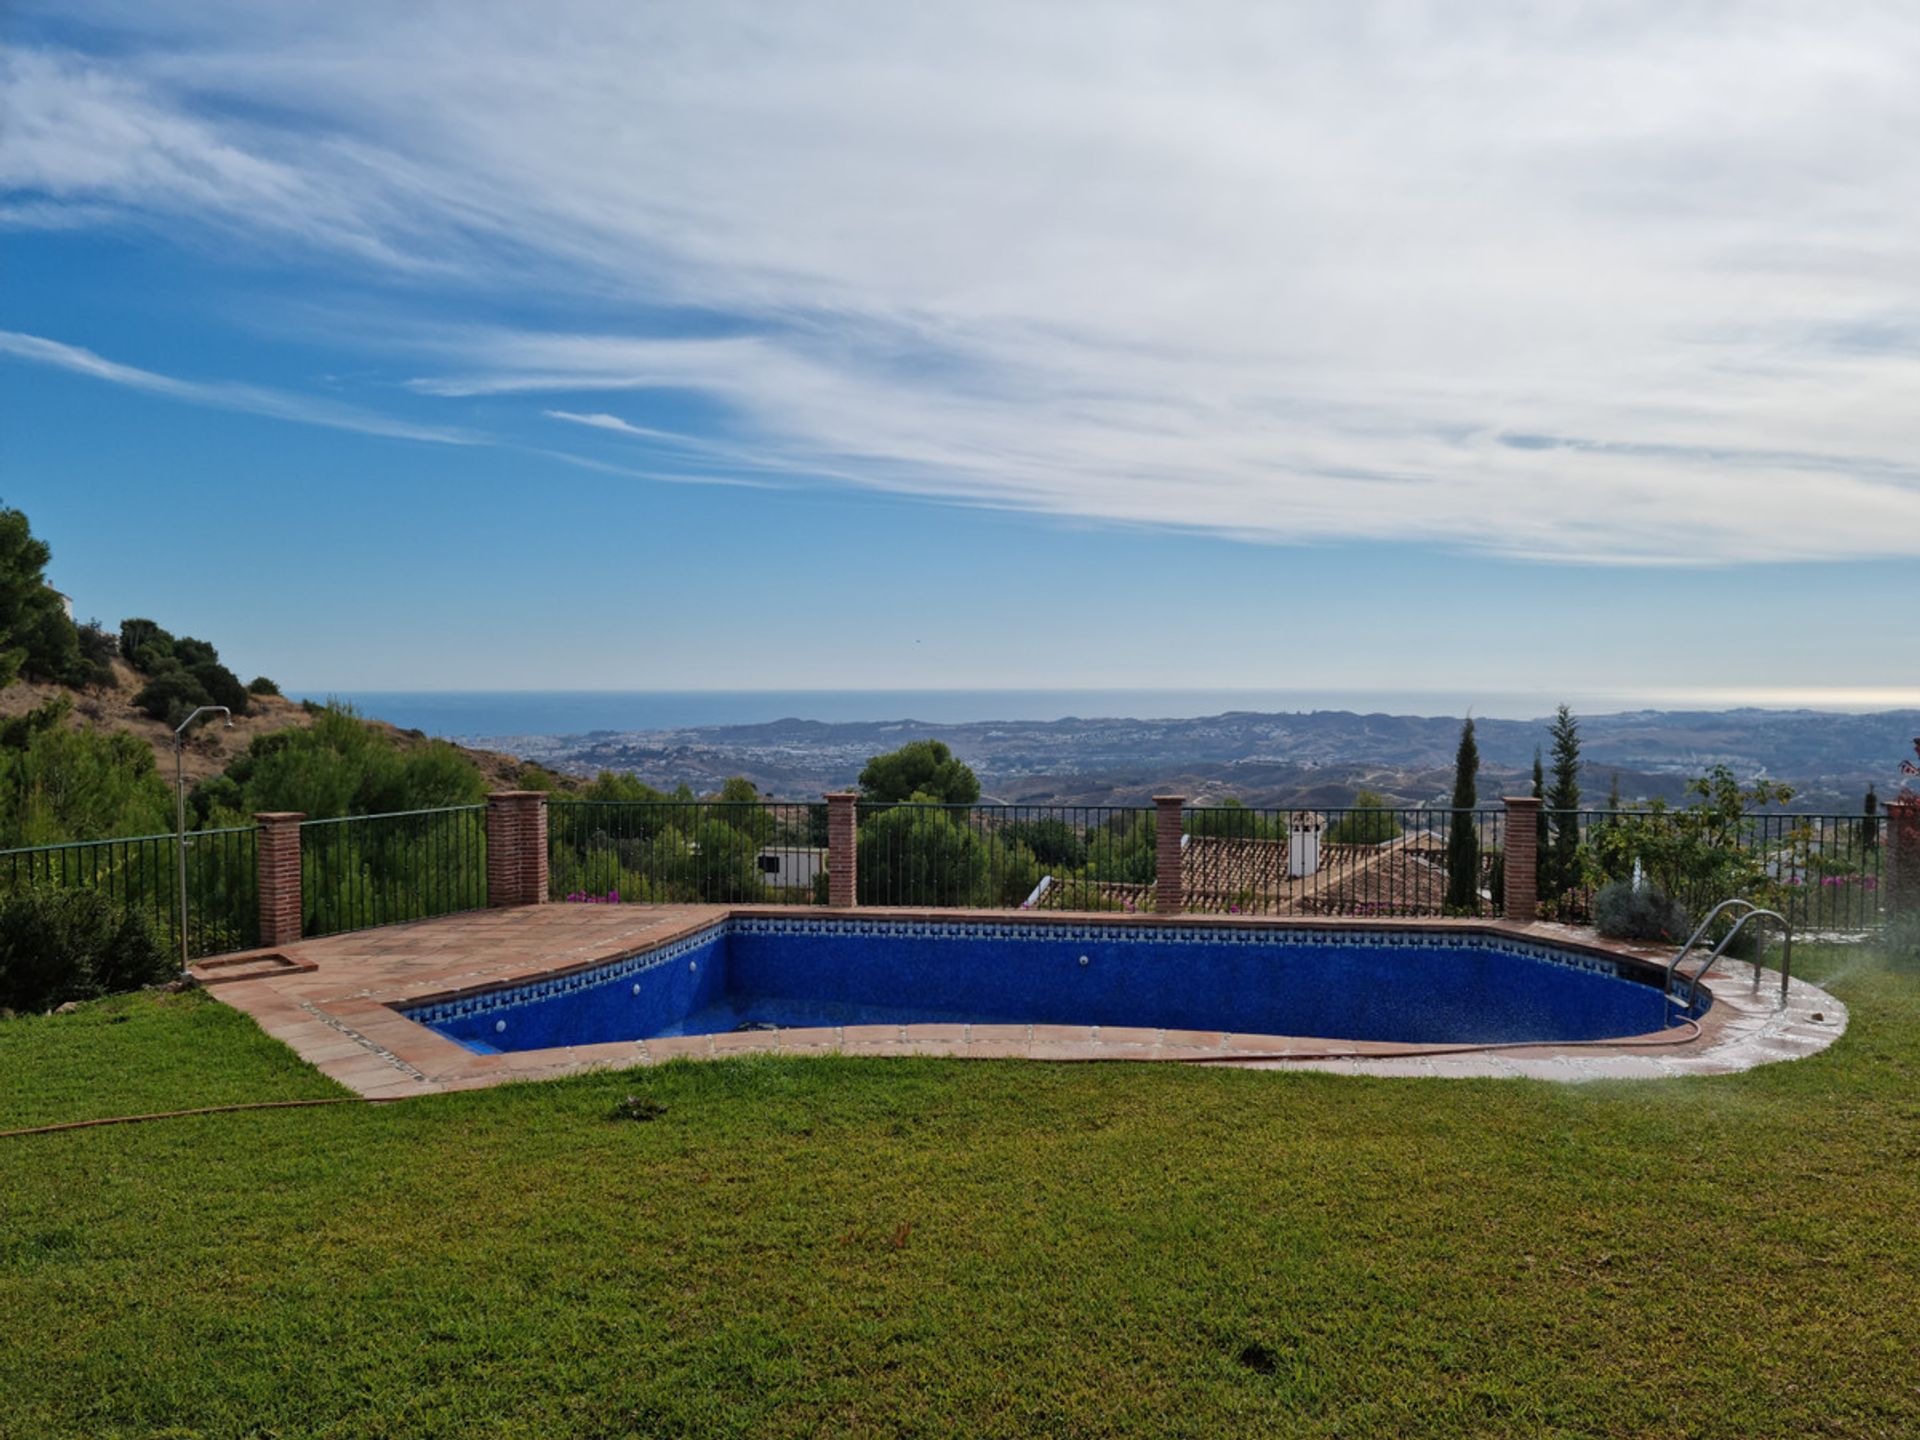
788,868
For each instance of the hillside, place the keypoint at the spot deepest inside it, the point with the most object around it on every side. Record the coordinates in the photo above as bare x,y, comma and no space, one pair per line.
212,747
1315,758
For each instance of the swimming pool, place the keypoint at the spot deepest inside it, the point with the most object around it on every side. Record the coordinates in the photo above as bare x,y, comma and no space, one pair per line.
1407,985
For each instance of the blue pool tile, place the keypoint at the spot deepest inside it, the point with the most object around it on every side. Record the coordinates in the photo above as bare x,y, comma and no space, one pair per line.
1412,986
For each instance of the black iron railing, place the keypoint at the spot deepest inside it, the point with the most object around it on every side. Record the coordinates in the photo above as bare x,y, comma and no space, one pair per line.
140,876
1358,860
1823,871
687,851
361,871
1062,857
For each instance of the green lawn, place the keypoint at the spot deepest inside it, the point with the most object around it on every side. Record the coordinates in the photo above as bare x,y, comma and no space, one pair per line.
933,1247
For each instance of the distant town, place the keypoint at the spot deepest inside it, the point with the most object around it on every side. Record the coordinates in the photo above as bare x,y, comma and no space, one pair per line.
1316,758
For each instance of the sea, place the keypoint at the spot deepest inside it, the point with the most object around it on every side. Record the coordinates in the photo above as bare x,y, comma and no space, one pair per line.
478,714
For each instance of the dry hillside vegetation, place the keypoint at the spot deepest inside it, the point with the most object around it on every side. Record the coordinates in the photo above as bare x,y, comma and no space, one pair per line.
211,747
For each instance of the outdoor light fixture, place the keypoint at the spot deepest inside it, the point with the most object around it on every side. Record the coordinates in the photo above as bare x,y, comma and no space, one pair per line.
180,812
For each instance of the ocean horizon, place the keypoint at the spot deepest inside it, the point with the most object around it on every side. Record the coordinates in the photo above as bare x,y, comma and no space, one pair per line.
480,714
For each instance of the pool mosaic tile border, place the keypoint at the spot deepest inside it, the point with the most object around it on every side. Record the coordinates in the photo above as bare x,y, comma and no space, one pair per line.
484,1002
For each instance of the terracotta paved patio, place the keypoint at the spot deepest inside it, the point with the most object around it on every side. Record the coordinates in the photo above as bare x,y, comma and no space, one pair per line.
336,1009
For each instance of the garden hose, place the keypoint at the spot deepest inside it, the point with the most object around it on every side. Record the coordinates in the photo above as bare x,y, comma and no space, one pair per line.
1691,1029
203,1110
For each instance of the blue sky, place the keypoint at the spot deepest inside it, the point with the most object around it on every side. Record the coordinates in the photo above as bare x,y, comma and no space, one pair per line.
699,347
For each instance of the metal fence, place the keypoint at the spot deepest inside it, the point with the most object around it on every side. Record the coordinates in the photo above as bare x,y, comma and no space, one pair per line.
1063,857
1233,859
687,851
139,875
1822,871
360,871
1357,860
1825,871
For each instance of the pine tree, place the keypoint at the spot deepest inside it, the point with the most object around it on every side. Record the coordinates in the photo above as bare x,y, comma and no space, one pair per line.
1463,839
1560,870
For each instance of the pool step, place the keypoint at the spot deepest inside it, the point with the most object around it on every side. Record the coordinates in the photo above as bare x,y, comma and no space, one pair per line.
226,969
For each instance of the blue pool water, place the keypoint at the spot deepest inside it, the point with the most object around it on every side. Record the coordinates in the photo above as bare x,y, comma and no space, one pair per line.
1410,986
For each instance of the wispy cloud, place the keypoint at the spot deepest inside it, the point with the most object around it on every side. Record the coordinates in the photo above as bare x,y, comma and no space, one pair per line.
1295,273
223,394
652,474
617,425
703,452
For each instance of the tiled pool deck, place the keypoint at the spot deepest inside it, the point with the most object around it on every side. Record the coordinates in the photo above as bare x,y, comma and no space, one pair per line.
332,1001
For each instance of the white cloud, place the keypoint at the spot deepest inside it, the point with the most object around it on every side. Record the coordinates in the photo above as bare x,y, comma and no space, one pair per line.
224,394
615,424
1621,283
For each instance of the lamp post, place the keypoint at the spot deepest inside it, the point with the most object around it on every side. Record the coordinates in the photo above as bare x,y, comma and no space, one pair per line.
180,813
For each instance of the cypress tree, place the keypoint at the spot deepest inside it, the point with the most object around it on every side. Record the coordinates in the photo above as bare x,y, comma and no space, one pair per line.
1463,839
1562,872
1542,840
1870,821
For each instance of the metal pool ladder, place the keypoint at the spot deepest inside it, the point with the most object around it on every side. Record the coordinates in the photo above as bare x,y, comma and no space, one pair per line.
1749,911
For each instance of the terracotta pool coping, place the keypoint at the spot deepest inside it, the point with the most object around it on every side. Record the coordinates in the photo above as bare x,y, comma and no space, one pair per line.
341,1011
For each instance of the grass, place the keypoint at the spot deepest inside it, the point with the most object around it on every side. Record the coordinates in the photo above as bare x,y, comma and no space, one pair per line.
931,1247
139,1054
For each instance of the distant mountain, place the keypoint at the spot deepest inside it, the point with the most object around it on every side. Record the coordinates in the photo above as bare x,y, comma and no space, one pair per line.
1320,757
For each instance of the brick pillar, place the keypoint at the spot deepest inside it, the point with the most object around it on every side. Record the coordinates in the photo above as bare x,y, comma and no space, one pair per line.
1902,831
1169,887
843,850
517,847
1522,858
279,867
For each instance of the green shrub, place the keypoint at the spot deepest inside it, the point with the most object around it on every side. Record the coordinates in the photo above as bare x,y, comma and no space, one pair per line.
535,777
1369,822
1626,913
171,695
61,944
1124,850
1232,820
1017,871
1053,841
919,854
1703,852
146,647
261,685
37,639
192,653
97,649
223,687
58,783
341,765
919,768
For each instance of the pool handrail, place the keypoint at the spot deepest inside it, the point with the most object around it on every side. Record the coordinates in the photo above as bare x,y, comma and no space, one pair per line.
1753,911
